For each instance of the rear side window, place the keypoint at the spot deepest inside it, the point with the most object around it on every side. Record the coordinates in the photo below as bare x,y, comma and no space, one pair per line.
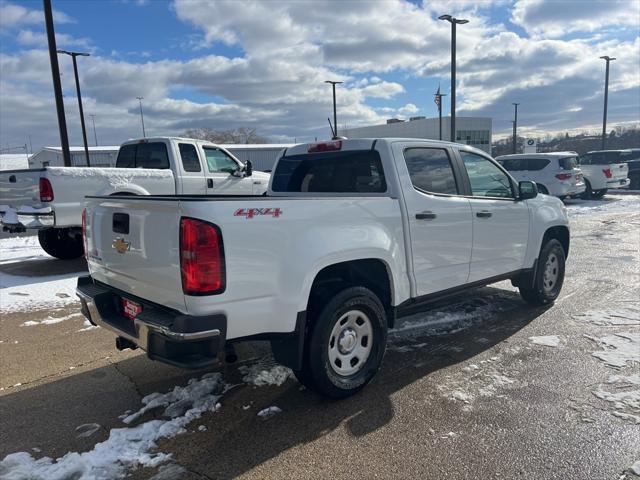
611,157
189,157
514,164
568,163
430,170
332,172
143,155
535,164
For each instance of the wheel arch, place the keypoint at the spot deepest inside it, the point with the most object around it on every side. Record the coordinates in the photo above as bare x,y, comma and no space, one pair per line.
560,233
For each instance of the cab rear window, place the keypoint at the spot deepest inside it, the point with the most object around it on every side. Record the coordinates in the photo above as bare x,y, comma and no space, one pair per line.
143,155
351,171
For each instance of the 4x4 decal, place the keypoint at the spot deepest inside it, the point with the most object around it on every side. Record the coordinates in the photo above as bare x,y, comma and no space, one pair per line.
253,212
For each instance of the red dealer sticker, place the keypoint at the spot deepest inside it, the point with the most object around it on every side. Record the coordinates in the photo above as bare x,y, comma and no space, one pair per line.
254,212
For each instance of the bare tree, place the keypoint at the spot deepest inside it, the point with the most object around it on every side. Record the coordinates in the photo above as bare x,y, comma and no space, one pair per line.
242,135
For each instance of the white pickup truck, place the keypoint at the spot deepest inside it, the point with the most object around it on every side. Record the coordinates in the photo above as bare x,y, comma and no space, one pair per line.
350,234
602,172
51,199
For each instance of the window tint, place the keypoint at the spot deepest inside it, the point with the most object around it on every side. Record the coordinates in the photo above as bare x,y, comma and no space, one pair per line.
143,155
189,156
596,158
514,164
487,180
127,157
219,161
568,163
611,157
335,172
534,164
430,170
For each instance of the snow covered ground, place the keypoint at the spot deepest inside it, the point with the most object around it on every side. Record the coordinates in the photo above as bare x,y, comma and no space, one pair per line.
25,293
610,204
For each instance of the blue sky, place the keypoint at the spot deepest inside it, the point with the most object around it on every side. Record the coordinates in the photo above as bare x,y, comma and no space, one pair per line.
262,64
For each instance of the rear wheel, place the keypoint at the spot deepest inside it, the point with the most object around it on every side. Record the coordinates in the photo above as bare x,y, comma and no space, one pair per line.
586,195
345,344
599,193
549,275
62,243
635,182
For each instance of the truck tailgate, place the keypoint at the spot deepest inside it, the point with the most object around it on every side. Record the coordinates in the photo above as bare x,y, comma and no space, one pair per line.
20,187
133,245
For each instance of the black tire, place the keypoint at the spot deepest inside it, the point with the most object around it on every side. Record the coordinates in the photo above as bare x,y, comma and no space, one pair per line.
62,243
635,182
586,195
599,193
542,292
317,372
542,189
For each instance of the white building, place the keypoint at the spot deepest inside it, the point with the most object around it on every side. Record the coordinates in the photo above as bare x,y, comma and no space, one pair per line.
262,156
474,131
14,161
52,157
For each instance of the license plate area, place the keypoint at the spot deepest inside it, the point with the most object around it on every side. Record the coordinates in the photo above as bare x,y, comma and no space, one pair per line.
130,309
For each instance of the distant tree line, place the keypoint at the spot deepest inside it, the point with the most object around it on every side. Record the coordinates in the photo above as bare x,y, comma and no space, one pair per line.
239,135
618,138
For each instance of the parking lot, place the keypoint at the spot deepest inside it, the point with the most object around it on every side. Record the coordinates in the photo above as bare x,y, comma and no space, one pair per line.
481,386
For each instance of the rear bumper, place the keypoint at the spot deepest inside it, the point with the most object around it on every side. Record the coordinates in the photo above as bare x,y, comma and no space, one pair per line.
15,220
619,183
562,189
167,336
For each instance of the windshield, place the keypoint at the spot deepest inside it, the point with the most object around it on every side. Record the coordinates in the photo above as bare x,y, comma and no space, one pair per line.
569,163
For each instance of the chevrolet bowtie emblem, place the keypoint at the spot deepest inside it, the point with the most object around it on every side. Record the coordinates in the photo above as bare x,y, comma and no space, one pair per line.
120,245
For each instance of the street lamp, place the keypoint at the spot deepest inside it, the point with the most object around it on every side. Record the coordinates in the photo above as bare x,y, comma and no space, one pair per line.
335,116
515,126
144,134
454,21
73,55
438,101
95,135
606,99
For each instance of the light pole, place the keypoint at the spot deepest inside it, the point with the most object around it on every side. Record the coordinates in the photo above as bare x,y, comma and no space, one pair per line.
335,116
454,21
144,134
438,101
95,135
606,100
57,86
515,127
73,55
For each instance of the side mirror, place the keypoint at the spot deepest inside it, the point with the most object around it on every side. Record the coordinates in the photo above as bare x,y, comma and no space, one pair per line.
248,169
527,190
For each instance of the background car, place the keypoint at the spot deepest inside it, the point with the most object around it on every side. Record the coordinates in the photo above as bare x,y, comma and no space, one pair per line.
604,169
555,173
629,156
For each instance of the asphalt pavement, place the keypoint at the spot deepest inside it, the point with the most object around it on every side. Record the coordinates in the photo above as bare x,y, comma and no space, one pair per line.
487,388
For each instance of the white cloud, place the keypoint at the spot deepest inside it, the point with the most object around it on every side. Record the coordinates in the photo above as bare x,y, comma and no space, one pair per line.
408,109
14,16
31,38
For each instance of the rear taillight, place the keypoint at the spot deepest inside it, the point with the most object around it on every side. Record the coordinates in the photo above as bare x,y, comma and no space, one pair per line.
563,176
607,172
84,232
325,146
46,191
201,258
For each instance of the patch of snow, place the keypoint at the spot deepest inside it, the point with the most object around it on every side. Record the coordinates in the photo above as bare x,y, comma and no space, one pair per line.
87,429
547,341
20,293
610,204
171,471
619,349
259,376
611,317
269,412
49,320
129,447
202,428
635,468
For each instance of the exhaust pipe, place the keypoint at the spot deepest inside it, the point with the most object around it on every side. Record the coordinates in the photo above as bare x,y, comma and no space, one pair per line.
123,344
230,355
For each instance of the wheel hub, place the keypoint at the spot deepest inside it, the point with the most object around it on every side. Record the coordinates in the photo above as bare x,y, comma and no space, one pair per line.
551,271
350,343
347,340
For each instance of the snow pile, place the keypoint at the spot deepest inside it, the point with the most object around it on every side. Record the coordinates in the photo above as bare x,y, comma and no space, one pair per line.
547,341
259,376
629,315
20,293
126,448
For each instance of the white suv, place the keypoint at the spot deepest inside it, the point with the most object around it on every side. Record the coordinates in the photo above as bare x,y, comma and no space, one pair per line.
555,173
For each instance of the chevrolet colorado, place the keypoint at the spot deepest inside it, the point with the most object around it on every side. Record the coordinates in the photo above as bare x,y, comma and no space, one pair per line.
50,200
351,234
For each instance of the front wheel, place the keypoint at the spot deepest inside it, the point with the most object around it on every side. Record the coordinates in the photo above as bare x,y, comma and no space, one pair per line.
345,344
549,275
586,195
62,243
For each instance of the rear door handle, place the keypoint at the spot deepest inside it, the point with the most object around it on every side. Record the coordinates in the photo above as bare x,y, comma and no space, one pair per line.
483,214
425,216
210,182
